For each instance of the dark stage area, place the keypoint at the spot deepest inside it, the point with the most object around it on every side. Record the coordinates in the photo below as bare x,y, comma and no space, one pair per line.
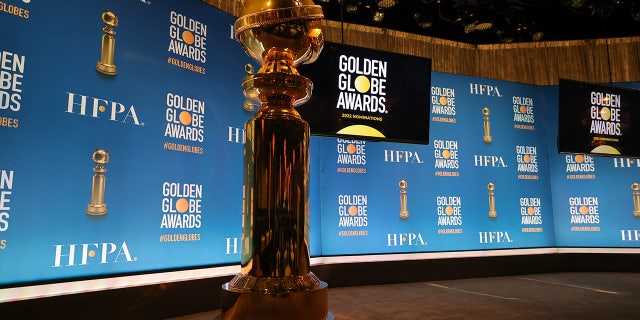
572,295
539,286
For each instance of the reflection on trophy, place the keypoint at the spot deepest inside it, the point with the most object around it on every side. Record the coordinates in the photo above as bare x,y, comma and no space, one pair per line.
404,213
487,126
105,64
248,105
275,281
636,199
97,207
492,201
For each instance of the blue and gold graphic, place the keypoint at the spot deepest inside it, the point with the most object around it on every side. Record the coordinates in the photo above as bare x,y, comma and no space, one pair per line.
163,119
172,122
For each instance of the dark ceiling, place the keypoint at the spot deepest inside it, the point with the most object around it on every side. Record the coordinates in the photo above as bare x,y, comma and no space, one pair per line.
494,21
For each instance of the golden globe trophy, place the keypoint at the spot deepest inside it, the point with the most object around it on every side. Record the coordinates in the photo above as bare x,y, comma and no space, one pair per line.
97,207
404,212
636,199
492,201
275,281
487,125
107,52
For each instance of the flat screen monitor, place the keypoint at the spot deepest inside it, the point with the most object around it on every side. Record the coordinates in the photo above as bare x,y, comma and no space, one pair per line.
369,95
598,119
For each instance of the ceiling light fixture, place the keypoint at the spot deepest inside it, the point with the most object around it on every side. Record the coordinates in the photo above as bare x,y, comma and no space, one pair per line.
386,4
422,17
505,35
470,27
351,6
575,3
483,20
537,35
484,26
378,16
475,20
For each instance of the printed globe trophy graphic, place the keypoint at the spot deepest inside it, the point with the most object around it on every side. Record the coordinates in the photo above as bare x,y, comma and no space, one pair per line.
486,125
107,52
404,212
636,199
492,200
97,207
275,281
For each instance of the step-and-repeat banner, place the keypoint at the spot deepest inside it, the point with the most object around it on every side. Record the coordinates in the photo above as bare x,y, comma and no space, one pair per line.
139,98
481,183
121,130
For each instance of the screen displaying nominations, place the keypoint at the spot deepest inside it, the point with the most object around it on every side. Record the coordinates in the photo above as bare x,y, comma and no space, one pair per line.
368,94
598,119
121,143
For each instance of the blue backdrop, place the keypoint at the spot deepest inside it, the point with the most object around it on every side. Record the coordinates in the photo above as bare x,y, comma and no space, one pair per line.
171,121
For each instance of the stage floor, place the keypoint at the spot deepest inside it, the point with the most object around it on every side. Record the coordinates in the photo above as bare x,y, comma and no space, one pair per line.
574,295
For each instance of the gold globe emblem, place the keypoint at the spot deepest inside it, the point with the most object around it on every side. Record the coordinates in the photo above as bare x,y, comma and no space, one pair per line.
100,157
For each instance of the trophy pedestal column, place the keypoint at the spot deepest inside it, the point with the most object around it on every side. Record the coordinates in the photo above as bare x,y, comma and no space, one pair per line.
276,281
307,305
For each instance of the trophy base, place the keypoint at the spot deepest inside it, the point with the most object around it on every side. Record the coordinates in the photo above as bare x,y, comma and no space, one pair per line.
636,214
97,210
487,139
308,305
108,69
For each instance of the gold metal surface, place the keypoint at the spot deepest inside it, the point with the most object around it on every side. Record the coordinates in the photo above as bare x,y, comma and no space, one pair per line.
275,281
636,199
492,200
487,126
277,25
404,212
276,196
106,63
277,77
97,207
296,306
